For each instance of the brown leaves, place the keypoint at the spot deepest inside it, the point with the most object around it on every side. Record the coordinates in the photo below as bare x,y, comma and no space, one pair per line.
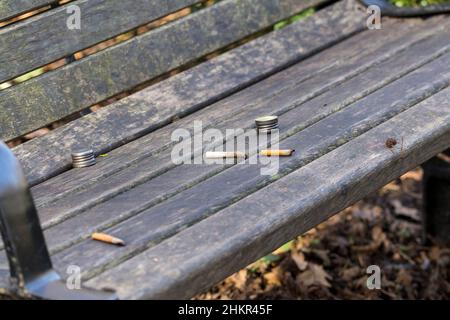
240,279
274,277
311,274
402,210
299,259
404,278
350,273
378,238
315,275
330,261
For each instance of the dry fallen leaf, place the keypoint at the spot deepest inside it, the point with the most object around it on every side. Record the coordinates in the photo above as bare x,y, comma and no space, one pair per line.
401,210
404,278
273,277
314,275
378,234
322,255
240,279
435,253
350,273
299,259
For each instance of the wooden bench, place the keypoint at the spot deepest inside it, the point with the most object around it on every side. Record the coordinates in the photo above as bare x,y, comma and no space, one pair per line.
339,89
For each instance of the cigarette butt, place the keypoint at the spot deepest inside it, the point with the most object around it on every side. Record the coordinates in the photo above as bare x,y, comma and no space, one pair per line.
277,153
221,155
107,239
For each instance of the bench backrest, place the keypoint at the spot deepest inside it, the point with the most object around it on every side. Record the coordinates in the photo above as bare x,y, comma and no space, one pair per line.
32,43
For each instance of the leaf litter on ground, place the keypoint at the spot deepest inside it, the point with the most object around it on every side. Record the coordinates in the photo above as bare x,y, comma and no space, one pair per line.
330,261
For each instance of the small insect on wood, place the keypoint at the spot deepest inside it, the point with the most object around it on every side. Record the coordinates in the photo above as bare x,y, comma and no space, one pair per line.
391,143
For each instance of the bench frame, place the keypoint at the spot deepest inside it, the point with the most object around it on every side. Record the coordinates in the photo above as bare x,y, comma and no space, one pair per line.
32,273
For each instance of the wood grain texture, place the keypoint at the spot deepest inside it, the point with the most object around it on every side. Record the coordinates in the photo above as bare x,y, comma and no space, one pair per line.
189,91
332,130
300,96
54,95
237,182
45,38
12,8
107,214
210,250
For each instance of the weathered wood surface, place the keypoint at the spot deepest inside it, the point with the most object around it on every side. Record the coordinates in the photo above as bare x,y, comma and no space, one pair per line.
121,158
169,184
337,98
218,246
223,189
192,90
12,8
173,218
331,132
46,38
42,100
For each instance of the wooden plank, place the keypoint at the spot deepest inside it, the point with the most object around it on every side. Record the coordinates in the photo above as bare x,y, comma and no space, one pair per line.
12,8
237,182
48,98
79,228
45,38
119,159
332,101
218,246
105,215
155,106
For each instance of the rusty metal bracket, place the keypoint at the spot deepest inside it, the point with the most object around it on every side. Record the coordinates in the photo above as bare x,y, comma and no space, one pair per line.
32,273
388,9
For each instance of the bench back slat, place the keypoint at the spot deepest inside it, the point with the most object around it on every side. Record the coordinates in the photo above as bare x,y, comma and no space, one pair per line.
46,38
13,8
54,95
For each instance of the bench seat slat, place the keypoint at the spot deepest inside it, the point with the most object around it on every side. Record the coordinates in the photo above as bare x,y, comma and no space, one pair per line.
338,97
46,38
218,246
169,184
155,106
13,8
376,93
58,236
161,187
48,98
237,182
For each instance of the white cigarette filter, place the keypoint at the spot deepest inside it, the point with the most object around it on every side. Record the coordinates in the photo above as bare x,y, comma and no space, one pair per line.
222,155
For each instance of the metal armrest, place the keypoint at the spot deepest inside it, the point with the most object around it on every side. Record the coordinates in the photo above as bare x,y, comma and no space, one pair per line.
31,268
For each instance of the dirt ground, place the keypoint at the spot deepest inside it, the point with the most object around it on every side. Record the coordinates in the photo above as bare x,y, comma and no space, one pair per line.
330,261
